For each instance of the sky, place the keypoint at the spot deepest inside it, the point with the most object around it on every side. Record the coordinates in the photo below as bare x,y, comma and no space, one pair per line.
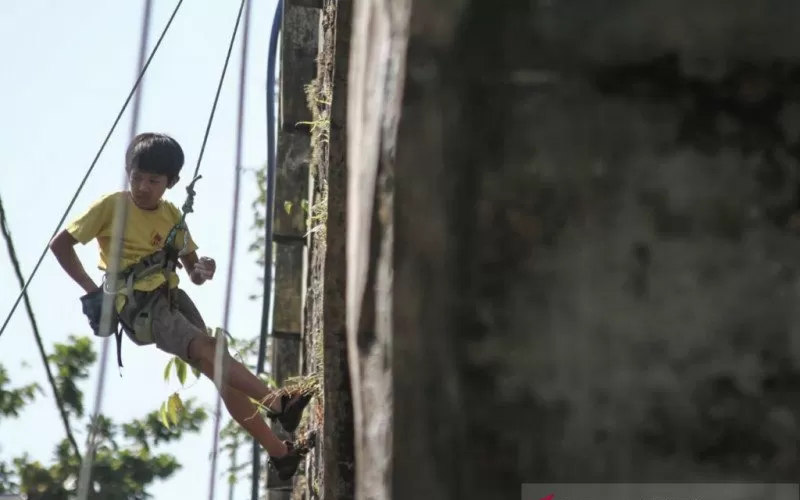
67,68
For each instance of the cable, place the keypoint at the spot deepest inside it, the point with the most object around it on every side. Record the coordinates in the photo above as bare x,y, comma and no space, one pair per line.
268,215
15,262
94,162
219,89
137,98
220,348
118,231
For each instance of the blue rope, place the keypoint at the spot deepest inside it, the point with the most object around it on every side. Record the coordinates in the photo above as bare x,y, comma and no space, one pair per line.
270,210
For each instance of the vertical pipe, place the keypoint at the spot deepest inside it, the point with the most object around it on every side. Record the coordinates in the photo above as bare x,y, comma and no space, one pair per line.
269,214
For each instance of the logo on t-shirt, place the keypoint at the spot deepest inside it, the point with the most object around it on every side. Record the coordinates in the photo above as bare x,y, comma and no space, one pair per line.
156,239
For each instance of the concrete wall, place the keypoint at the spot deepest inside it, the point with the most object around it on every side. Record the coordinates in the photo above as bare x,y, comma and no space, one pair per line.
378,47
588,243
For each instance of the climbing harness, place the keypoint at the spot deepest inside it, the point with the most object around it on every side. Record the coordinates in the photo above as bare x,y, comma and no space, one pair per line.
137,321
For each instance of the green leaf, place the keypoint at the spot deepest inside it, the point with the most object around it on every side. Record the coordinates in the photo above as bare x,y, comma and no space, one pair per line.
180,368
166,369
174,408
287,207
162,414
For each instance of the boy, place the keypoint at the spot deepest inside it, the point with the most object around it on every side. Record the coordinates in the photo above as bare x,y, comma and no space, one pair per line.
150,306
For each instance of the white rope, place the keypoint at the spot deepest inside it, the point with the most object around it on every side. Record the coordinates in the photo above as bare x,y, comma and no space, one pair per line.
118,231
219,358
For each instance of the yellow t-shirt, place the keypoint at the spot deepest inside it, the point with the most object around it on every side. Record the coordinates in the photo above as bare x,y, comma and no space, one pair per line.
145,233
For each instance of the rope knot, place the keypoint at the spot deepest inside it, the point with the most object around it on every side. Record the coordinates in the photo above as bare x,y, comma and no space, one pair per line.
188,205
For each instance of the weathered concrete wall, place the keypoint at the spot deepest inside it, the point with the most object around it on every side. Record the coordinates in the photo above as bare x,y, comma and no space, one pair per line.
593,276
375,83
339,460
330,474
311,193
300,32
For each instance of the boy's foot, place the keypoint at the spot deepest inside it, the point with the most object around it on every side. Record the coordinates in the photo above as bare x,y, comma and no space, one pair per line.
287,465
291,411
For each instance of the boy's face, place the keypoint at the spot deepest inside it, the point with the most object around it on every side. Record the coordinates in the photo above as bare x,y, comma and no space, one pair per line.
146,188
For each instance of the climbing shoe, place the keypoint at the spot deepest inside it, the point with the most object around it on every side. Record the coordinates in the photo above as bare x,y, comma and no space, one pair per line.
287,465
291,411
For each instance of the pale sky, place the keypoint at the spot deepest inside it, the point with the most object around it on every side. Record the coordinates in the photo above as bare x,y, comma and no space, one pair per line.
67,67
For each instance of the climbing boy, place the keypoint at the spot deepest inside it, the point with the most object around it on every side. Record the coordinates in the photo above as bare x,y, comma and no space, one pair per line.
147,301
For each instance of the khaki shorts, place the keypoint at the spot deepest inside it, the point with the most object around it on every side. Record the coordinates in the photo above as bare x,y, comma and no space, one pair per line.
173,329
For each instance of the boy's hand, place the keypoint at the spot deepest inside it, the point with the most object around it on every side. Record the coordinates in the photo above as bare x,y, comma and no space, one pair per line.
203,270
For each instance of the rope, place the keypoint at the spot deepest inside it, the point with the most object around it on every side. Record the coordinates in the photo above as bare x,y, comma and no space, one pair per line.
137,97
118,231
190,193
268,215
15,262
220,347
94,162
219,89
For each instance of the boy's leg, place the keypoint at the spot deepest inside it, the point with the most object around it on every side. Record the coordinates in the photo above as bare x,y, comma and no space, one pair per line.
246,414
238,377
183,333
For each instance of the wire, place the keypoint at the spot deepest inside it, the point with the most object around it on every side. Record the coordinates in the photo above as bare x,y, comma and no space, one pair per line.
219,89
15,262
220,348
137,98
94,162
268,215
118,231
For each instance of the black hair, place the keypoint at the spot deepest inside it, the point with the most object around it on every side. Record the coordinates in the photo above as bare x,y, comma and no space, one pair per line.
155,154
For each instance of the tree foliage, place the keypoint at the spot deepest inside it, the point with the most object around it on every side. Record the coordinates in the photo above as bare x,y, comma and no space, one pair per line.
259,217
125,462
12,400
73,361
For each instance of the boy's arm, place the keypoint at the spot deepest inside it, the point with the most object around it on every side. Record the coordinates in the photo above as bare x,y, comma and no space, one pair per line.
199,269
62,247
